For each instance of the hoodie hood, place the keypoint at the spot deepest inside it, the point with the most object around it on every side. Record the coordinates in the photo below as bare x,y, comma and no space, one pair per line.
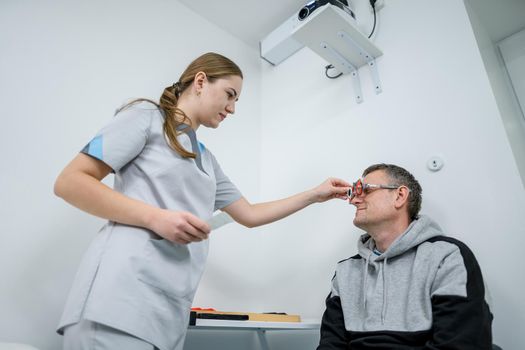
417,232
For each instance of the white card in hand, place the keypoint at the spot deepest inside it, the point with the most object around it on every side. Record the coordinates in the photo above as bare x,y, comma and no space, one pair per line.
219,220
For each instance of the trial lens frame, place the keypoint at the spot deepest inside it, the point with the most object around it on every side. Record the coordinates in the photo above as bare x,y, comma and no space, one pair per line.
359,186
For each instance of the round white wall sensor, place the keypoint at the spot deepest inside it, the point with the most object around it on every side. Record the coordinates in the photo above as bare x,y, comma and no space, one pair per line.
435,163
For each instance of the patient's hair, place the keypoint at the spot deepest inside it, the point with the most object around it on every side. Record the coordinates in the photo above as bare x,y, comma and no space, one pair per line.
401,177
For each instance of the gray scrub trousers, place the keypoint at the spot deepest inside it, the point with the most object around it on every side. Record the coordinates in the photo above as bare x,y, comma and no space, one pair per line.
130,279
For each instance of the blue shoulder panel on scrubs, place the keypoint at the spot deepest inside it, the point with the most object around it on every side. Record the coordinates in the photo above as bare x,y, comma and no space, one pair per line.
94,148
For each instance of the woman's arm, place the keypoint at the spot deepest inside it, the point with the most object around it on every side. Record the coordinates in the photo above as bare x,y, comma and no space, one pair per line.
80,185
252,215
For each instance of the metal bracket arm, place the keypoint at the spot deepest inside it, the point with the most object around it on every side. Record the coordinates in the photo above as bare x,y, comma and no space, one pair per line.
344,66
366,56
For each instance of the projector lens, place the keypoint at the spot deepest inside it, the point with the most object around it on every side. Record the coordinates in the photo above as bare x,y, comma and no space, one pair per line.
303,13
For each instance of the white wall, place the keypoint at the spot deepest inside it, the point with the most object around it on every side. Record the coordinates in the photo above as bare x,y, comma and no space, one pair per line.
65,66
437,100
506,92
513,52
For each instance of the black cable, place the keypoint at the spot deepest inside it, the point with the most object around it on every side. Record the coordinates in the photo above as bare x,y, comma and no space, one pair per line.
373,4
331,76
330,66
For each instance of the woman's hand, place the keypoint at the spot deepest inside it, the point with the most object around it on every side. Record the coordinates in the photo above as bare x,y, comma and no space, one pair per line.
331,188
80,184
178,226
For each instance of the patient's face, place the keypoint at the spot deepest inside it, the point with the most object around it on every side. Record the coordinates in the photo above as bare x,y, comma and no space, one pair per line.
375,206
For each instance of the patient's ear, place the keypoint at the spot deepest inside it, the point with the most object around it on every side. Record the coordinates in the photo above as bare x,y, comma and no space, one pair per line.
401,197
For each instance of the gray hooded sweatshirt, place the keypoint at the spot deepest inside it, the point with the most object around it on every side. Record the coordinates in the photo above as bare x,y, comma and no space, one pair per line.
424,290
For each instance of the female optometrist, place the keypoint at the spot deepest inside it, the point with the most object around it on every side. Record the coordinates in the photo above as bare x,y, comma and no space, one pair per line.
136,282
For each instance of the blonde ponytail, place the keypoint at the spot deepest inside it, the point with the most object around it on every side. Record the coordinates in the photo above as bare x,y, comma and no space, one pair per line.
214,66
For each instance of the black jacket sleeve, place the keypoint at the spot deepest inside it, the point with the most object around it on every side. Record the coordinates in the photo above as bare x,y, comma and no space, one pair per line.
461,322
333,332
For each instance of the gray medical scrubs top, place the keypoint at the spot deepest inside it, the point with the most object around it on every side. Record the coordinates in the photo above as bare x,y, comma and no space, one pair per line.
130,278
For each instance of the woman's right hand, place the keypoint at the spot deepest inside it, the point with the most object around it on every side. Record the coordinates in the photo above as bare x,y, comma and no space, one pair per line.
179,226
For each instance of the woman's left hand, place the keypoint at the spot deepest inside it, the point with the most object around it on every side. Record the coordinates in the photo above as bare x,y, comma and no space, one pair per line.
331,188
252,215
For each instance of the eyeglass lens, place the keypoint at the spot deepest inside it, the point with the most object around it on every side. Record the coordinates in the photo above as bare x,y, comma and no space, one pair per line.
356,189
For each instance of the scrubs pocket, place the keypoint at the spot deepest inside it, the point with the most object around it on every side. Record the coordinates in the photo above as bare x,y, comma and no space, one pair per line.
166,266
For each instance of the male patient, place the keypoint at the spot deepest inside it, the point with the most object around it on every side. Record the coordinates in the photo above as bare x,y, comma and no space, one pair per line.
410,286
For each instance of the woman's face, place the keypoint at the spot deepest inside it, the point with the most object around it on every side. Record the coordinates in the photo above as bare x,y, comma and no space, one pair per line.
217,99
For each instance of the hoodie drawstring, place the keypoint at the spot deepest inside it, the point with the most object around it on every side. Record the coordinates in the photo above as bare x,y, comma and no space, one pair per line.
365,278
385,291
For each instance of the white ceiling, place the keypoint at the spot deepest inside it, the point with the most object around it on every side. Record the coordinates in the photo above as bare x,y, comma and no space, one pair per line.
251,20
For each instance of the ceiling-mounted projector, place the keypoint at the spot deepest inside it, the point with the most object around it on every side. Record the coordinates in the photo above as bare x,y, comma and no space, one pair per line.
313,5
279,44
329,29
